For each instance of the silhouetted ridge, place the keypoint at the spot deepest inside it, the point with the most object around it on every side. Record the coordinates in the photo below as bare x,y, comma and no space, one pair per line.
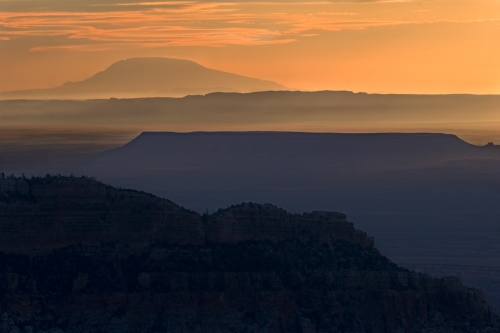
127,261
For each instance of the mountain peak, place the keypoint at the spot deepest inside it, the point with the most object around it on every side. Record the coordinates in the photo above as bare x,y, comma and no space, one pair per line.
150,77
152,63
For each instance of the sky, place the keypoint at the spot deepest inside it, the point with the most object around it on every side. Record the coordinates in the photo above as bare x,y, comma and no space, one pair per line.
432,46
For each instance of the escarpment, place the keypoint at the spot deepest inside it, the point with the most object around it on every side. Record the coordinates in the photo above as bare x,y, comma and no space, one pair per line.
126,261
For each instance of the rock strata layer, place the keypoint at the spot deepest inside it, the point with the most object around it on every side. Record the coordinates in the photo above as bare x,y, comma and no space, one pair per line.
79,256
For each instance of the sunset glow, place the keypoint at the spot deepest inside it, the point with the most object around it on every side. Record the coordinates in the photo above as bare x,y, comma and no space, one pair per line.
374,46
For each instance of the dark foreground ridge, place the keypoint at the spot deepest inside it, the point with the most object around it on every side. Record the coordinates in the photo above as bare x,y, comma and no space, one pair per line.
80,256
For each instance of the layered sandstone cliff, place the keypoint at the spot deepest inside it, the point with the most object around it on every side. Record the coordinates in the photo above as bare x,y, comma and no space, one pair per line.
79,256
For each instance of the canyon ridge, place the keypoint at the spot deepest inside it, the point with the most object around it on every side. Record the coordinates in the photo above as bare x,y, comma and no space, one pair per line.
81,256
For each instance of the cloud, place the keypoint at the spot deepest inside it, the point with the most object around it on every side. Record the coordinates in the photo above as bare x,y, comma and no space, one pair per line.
189,24
197,24
136,24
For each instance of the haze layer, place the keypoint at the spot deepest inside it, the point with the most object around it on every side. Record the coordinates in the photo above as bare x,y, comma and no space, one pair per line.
474,118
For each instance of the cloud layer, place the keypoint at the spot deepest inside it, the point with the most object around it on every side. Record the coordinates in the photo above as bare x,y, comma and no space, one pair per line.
97,26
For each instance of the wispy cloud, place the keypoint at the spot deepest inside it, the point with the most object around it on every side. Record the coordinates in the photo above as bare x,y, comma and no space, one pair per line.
187,23
197,24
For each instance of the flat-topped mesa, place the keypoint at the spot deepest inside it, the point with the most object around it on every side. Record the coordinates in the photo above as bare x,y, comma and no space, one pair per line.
51,212
251,221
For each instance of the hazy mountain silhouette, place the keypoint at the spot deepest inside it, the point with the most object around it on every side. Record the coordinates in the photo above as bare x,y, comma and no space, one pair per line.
148,77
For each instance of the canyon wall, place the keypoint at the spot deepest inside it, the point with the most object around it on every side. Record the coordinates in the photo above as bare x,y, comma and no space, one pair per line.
80,256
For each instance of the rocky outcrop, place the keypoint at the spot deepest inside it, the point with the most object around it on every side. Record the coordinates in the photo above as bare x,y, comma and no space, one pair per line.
248,268
486,278
267,222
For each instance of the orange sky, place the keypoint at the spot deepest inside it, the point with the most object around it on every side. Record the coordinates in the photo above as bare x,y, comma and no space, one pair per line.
433,46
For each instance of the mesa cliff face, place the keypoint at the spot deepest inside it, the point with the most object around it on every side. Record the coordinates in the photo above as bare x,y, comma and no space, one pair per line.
80,256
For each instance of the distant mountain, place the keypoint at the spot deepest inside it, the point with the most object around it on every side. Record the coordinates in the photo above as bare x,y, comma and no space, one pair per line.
149,77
